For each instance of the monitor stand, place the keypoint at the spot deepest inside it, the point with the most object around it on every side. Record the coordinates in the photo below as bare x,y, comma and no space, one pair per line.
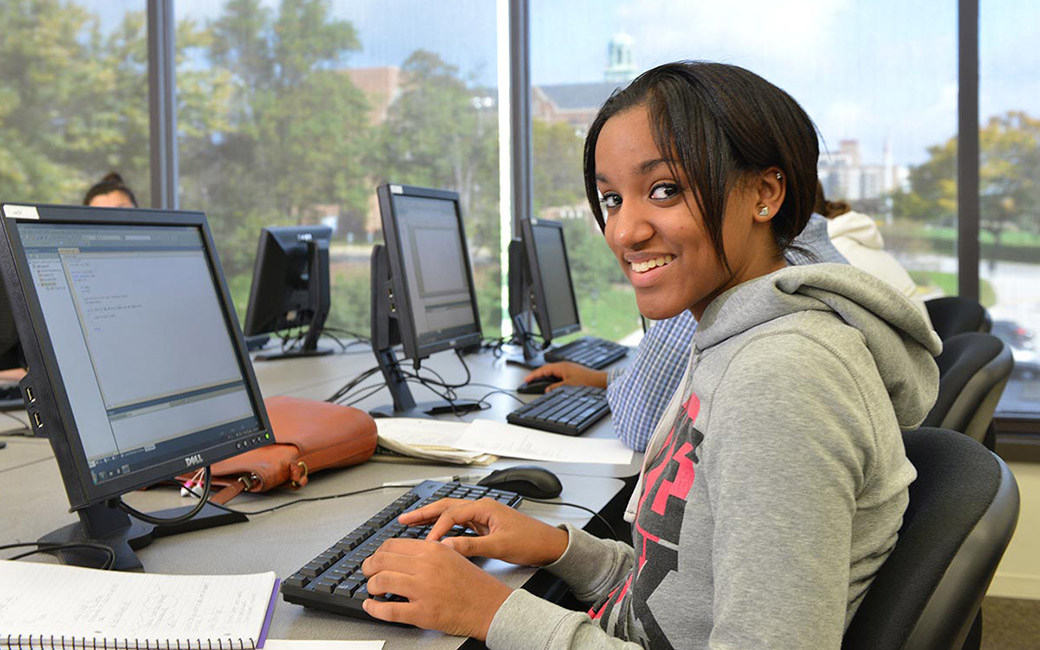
530,353
111,526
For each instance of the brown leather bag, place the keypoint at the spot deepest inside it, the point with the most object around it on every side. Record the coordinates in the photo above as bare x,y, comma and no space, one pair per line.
309,436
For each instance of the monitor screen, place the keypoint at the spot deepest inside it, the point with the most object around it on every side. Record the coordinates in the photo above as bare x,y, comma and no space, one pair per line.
550,271
137,359
435,296
291,285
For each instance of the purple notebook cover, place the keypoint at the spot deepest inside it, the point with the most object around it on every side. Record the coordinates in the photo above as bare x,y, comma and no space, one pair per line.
270,614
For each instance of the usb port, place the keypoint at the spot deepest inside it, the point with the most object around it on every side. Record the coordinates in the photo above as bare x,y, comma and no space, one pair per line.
29,395
38,420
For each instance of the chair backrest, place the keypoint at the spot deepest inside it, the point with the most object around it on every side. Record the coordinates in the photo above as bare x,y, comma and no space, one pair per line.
974,368
962,513
952,315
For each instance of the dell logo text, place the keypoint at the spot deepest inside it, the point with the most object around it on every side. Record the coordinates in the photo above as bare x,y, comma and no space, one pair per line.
193,460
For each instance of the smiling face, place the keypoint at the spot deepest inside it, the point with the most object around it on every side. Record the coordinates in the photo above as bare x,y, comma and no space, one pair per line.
656,231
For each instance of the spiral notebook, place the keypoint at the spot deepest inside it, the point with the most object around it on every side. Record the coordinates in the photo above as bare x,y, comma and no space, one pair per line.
47,606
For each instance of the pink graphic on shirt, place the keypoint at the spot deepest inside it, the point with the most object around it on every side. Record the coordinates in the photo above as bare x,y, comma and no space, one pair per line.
593,614
678,488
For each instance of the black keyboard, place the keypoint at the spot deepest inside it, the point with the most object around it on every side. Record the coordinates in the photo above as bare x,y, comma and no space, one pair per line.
333,580
568,409
588,351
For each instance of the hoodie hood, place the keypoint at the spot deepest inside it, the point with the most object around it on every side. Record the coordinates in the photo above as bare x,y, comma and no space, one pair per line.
857,227
898,337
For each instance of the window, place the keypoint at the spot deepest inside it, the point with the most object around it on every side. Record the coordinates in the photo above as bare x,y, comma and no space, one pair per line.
293,113
73,98
1009,188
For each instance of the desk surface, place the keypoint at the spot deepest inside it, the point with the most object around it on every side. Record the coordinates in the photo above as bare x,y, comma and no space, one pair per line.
35,503
320,377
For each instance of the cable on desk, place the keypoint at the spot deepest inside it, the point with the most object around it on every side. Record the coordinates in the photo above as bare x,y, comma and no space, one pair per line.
44,547
264,511
343,393
18,420
358,338
159,521
602,519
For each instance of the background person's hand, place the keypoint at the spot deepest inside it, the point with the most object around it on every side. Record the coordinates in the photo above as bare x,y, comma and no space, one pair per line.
571,374
445,591
503,533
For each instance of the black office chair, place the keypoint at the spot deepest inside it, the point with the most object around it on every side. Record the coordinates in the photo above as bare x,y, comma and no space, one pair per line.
962,512
952,315
974,368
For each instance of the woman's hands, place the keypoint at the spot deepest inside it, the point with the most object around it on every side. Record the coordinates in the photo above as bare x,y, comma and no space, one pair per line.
445,591
504,533
570,374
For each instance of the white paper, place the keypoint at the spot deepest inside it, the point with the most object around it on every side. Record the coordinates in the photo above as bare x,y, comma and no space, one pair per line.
292,644
421,431
514,441
65,601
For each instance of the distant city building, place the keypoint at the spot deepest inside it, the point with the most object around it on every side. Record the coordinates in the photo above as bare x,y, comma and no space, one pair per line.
845,177
620,67
574,104
577,104
381,87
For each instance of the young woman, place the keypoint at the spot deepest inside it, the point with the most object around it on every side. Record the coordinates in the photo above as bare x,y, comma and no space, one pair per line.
775,483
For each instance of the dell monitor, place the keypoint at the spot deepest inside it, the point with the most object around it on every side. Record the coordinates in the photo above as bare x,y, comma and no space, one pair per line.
137,370
540,287
423,295
291,286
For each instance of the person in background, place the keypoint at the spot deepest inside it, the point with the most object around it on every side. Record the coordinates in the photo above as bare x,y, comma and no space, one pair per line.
857,236
110,192
639,392
775,483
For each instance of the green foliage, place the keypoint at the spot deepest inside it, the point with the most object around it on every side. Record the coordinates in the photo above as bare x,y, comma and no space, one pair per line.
73,104
442,133
1009,177
289,132
557,151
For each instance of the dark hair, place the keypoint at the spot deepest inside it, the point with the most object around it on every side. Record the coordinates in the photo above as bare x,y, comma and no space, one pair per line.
720,123
112,182
829,209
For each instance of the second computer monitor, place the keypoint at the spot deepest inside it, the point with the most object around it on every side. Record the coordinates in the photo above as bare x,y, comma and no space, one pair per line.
555,305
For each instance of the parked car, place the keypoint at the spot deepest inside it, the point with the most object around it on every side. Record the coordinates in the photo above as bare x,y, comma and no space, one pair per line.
1023,347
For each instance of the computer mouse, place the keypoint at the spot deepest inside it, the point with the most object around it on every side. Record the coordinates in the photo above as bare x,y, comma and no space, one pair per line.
526,480
537,386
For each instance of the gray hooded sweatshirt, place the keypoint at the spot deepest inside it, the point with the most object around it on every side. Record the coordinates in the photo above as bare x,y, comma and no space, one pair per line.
774,485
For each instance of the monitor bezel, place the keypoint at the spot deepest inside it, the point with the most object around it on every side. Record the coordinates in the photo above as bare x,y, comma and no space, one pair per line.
541,303
51,397
402,297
